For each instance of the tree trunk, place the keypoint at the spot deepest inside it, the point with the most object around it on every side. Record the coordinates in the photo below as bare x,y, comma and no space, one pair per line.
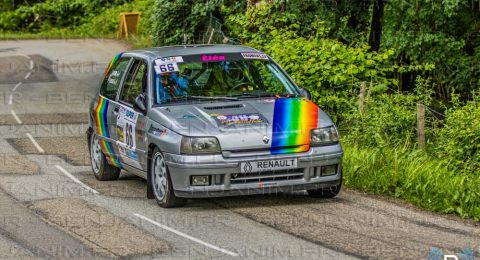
376,27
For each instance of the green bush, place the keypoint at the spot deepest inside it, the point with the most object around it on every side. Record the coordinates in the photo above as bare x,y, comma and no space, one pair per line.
413,176
388,120
51,13
459,138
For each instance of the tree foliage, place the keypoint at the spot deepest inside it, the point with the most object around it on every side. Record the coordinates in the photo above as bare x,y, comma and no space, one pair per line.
444,33
173,19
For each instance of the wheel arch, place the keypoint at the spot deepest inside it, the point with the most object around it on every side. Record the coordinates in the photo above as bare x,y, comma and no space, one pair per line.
151,147
89,133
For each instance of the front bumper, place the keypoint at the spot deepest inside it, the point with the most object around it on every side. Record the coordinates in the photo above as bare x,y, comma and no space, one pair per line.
225,169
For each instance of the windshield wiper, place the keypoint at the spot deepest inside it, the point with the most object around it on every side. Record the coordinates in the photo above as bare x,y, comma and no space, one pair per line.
288,95
207,98
252,95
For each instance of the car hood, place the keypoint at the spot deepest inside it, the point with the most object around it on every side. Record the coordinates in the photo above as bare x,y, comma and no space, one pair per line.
247,124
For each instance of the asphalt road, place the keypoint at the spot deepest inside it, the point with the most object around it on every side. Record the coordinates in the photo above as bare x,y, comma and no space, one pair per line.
52,207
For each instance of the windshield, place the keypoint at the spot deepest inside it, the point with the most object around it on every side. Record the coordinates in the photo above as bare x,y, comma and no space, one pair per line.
218,77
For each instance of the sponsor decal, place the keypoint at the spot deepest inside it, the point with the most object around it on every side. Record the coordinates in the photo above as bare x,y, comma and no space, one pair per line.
207,58
102,130
254,56
129,157
132,155
293,119
115,59
158,132
240,119
114,77
167,64
168,60
126,121
163,132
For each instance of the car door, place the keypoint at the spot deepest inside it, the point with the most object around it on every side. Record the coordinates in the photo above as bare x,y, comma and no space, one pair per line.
104,113
130,123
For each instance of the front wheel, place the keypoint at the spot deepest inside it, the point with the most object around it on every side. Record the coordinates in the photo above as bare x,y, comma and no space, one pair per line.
325,193
100,167
162,184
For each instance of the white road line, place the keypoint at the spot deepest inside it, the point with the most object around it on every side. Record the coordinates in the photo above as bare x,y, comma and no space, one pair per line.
40,149
28,75
25,55
31,63
10,99
230,253
69,175
15,116
16,86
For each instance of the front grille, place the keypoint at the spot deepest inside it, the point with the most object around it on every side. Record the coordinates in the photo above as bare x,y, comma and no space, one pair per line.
255,177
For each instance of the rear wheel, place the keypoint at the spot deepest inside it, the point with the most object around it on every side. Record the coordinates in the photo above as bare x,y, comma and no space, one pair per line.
162,184
101,169
325,193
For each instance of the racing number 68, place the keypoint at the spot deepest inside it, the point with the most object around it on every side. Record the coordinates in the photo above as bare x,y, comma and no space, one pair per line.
128,134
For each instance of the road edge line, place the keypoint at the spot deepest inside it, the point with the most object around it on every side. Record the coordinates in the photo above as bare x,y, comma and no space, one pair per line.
16,117
230,253
39,148
69,175
16,86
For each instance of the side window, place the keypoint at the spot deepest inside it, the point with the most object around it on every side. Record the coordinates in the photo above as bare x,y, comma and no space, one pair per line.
111,82
135,82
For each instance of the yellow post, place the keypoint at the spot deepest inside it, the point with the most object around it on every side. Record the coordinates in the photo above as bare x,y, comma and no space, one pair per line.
128,24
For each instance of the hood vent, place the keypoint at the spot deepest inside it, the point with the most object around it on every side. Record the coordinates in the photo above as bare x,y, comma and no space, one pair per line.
225,107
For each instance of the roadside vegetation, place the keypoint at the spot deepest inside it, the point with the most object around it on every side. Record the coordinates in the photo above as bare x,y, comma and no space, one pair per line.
425,52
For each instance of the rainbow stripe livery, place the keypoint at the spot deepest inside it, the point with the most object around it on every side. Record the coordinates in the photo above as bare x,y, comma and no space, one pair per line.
102,130
293,119
115,59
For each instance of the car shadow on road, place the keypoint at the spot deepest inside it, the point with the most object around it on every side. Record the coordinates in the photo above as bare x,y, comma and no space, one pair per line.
271,200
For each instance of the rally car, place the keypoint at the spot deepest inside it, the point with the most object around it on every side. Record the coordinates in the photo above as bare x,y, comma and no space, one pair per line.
208,121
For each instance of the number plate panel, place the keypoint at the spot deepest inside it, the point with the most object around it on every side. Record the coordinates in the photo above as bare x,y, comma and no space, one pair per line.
268,165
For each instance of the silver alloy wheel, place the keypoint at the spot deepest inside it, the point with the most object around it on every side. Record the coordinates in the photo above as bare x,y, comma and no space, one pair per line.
159,176
95,154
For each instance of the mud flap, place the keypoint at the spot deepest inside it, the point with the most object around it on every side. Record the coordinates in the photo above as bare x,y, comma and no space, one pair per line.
150,194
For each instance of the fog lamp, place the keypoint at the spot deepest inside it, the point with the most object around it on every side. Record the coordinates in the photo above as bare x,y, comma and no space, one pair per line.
200,180
329,170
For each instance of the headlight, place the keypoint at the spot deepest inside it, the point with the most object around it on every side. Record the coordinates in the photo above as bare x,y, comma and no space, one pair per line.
199,145
324,136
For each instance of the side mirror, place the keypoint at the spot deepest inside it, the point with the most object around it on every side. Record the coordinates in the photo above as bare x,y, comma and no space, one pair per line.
140,104
306,93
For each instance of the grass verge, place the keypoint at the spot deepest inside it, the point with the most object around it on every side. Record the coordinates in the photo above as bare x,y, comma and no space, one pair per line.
414,176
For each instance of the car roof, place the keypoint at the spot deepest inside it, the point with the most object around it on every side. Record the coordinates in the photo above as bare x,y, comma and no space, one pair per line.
179,50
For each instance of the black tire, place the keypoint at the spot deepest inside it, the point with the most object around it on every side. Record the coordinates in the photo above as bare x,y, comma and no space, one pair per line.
102,170
161,182
325,193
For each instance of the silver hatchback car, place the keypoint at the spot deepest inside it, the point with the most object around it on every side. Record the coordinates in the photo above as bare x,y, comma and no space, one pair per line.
209,121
